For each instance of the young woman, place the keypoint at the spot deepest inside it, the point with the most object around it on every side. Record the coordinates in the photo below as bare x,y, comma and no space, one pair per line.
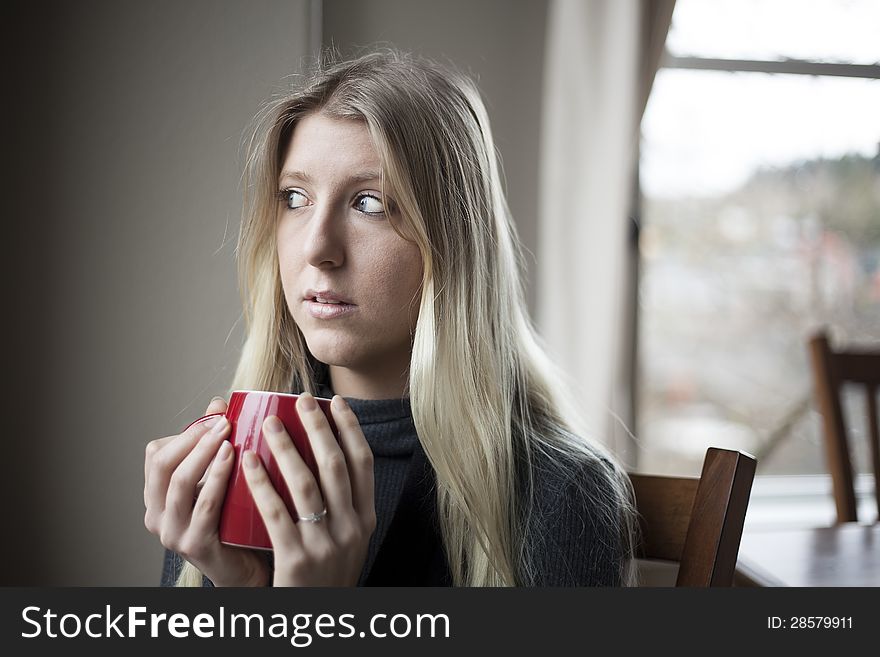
380,266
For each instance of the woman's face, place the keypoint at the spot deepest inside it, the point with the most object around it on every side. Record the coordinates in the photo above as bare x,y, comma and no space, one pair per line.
351,282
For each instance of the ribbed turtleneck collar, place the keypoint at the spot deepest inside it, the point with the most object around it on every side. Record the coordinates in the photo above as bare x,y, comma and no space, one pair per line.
380,411
387,423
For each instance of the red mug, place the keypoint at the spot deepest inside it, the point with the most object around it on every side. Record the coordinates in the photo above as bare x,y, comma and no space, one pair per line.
240,522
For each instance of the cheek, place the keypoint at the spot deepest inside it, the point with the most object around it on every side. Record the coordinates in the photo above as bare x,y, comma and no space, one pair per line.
283,244
392,274
411,270
404,275
288,254
290,285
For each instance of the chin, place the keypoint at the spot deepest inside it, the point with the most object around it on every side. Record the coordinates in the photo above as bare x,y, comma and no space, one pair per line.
340,353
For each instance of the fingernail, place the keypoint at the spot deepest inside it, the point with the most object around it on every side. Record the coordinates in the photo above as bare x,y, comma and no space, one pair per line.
225,450
342,403
250,460
219,425
273,424
308,402
217,398
210,422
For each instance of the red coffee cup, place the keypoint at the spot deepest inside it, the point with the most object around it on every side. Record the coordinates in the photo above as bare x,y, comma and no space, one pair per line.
240,522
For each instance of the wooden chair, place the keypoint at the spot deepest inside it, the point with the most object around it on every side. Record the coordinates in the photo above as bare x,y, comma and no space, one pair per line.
697,522
831,369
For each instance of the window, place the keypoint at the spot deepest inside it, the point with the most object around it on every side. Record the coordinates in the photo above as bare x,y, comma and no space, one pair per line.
760,177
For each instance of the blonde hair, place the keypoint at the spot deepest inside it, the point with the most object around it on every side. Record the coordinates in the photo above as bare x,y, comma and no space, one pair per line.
485,399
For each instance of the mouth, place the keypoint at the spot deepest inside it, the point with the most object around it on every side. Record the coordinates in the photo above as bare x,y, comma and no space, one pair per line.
326,304
326,296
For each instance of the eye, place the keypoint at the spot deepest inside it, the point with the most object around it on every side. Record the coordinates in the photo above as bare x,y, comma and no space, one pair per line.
369,204
293,198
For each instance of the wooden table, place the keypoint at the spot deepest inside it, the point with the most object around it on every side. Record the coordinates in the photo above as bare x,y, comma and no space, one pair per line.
843,555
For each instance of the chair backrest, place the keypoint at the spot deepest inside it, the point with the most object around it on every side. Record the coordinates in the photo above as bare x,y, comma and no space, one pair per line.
831,369
697,522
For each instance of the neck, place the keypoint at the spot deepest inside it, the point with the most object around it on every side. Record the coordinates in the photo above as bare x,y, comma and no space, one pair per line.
368,385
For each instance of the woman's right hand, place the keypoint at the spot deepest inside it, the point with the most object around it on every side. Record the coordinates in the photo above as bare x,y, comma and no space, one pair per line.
187,519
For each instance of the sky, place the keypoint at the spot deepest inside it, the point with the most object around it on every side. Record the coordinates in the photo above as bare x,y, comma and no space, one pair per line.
828,30
705,132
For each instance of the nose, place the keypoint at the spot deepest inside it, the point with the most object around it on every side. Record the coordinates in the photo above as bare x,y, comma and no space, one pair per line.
325,239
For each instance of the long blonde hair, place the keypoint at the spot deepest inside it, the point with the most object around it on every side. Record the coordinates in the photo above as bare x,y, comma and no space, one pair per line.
486,401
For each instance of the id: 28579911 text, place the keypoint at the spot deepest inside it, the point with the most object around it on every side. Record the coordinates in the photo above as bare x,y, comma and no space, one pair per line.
809,623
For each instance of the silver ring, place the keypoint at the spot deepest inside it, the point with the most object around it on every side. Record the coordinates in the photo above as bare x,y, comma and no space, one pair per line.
314,517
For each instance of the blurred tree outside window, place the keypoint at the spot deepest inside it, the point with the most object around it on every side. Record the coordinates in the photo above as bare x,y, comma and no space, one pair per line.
760,223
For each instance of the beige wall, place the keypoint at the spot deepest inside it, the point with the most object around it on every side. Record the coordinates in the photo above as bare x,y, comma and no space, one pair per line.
124,207
130,118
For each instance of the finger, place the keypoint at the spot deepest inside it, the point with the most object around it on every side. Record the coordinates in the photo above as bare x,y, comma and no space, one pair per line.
165,462
195,430
304,489
358,455
153,448
217,405
192,433
280,526
332,468
182,485
201,482
206,512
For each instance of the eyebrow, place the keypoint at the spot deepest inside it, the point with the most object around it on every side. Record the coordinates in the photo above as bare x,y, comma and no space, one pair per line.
365,176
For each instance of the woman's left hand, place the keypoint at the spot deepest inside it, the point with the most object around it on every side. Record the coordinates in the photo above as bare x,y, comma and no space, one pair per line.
332,550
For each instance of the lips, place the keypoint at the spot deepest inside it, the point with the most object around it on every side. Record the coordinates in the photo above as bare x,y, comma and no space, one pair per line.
326,296
327,304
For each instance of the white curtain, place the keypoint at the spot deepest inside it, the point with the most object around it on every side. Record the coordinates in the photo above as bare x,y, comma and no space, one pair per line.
600,60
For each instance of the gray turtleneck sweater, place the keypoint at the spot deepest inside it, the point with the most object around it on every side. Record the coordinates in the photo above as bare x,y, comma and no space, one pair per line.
570,546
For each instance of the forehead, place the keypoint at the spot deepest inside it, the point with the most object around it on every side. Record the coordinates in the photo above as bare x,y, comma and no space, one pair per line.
323,145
